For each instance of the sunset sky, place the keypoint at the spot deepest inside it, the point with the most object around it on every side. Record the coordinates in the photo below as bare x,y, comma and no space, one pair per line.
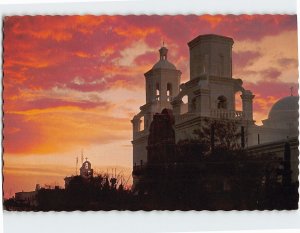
75,82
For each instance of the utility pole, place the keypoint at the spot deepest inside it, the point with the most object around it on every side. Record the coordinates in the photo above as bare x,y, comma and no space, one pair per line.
76,165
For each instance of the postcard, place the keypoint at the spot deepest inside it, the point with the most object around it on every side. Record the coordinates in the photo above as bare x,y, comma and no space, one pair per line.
150,112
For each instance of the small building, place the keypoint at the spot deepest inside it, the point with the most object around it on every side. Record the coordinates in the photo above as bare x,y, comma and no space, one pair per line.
86,172
28,198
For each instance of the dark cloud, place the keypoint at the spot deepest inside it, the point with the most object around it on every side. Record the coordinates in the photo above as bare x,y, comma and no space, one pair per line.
271,88
288,62
270,73
245,58
267,92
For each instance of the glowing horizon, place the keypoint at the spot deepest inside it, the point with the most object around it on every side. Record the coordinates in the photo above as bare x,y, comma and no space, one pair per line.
73,82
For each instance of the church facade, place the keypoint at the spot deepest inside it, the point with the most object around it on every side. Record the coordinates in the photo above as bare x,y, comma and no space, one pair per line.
210,93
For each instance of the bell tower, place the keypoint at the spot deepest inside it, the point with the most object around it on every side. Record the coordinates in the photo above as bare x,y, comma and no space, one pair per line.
211,61
161,85
162,81
211,54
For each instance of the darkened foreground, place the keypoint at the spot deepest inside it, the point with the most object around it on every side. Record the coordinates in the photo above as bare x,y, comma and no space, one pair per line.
220,181
211,171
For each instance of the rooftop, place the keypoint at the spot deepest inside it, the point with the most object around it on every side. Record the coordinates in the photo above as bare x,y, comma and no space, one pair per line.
210,37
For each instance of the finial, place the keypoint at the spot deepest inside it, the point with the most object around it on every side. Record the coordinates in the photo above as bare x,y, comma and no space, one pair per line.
292,90
163,51
86,158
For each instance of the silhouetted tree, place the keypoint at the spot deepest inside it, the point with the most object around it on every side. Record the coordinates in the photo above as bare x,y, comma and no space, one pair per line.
224,133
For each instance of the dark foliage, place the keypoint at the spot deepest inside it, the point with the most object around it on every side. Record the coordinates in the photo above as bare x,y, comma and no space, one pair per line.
226,134
199,176
96,193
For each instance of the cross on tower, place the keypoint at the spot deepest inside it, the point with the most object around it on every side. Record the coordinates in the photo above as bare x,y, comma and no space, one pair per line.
86,158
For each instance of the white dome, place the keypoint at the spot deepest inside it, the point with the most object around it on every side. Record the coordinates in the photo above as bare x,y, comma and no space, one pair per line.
282,122
285,109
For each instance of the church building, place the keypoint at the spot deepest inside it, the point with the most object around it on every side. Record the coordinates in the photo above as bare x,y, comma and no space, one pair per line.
210,93
86,172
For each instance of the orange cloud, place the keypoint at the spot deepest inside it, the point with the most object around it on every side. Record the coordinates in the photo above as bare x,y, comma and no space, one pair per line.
61,129
82,54
213,20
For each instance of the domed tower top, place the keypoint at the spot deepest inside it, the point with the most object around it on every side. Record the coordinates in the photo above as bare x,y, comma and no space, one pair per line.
163,62
162,84
163,53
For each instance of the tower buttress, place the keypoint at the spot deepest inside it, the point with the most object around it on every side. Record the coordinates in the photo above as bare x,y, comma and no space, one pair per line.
247,104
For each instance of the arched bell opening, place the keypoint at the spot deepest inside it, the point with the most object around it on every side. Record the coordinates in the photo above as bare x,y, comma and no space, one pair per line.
157,92
238,105
184,107
169,92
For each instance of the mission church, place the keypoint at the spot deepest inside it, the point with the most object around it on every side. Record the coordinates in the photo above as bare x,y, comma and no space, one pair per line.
210,93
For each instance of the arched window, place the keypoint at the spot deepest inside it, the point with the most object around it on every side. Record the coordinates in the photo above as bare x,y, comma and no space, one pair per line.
169,91
185,99
222,102
238,102
157,97
184,106
142,122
